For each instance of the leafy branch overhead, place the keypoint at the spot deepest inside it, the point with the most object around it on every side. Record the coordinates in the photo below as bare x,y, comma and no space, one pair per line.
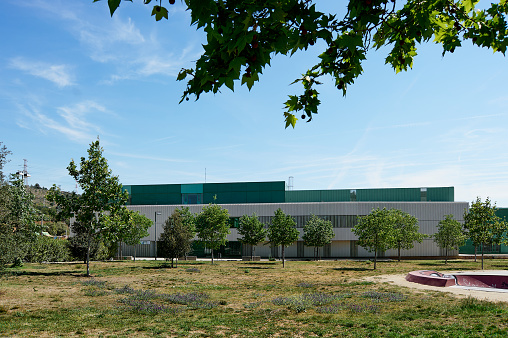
243,36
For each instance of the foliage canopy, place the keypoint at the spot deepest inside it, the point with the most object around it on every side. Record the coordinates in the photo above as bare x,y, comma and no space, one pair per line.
243,36
317,233
102,197
482,224
450,235
252,231
282,231
176,240
212,226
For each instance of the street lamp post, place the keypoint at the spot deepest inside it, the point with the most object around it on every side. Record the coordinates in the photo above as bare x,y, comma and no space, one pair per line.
155,224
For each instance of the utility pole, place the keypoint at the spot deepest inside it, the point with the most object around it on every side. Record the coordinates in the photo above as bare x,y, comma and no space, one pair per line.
24,173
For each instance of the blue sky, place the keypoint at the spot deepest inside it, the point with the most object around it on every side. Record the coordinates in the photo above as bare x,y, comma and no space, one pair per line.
69,72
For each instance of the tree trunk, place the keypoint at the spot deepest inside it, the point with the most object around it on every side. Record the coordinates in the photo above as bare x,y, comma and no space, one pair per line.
88,256
375,258
399,252
135,253
446,256
482,256
283,256
251,252
172,259
212,256
121,253
475,253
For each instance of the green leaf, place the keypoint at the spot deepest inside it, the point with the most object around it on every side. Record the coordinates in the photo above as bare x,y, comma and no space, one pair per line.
113,5
230,84
290,120
159,12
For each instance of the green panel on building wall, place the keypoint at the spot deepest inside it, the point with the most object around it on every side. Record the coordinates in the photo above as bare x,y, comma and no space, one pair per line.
335,195
191,188
468,249
445,194
388,195
502,213
244,192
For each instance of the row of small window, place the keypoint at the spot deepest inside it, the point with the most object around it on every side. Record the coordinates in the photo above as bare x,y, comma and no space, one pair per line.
338,221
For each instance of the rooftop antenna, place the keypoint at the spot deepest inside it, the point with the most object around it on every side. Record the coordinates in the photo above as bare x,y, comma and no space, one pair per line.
290,183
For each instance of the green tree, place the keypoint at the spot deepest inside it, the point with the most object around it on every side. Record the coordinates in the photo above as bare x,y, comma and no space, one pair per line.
17,225
243,36
405,231
4,152
317,233
212,226
102,197
127,226
482,225
282,231
252,230
375,232
179,232
450,235
84,246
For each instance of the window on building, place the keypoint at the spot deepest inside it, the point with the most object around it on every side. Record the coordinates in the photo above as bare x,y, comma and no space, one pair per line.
423,194
352,195
234,222
192,198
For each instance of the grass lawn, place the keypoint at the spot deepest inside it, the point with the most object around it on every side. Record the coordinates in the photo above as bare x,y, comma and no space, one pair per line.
239,299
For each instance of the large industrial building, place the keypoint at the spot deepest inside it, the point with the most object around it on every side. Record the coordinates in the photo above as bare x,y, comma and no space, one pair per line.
341,207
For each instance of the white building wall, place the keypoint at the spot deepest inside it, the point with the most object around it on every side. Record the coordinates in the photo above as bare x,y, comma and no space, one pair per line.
427,213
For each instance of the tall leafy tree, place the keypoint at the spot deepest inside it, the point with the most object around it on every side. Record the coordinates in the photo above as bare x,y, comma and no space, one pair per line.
482,225
375,232
179,232
243,36
17,221
4,152
102,197
282,231
252,230
317,232
212,226
127,226
405,231
450,235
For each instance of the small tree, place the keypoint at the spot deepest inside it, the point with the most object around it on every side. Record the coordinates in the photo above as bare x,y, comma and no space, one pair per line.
482,224
135,226
212,226
176,240
252,230
282,231
450,235
317,233
405,231
102,196
375,231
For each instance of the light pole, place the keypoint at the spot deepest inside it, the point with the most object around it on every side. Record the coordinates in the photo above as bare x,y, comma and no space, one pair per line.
155,224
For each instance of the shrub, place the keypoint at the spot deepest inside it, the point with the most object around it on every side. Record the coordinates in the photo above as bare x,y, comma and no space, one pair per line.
47,249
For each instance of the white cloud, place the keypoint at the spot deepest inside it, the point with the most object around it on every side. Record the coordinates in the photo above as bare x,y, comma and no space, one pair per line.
58,74
71,121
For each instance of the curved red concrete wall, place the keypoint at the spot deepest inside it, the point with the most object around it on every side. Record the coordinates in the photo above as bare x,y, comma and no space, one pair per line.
483,281
429,277
433,278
